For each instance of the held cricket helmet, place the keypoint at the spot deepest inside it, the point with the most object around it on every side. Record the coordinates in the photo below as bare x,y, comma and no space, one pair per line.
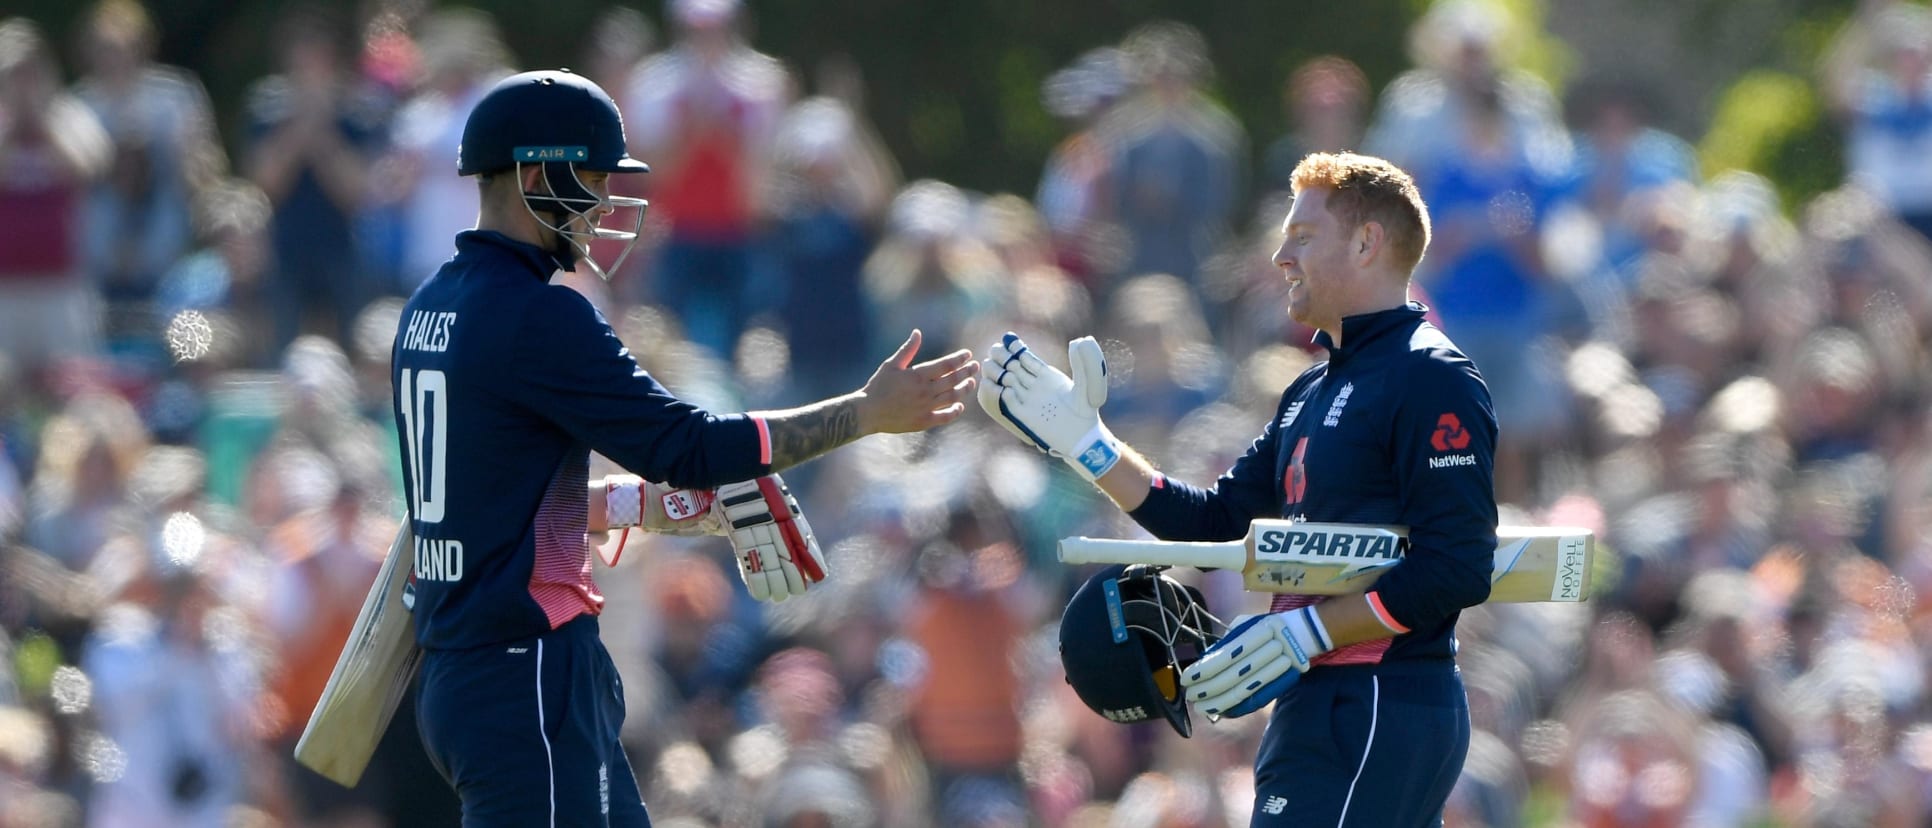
564,123
1126,636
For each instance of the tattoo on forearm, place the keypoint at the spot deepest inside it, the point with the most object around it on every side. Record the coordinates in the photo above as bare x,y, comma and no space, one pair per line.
800,434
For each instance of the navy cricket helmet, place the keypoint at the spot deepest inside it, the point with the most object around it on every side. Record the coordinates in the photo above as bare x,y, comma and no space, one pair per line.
564,123
1126,636
545,116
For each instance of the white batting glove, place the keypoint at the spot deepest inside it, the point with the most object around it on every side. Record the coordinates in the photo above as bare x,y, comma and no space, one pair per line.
778,557
1257,661
1041,405
631,502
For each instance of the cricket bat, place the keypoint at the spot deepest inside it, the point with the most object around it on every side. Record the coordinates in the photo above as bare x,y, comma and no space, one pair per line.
374,671
1533,563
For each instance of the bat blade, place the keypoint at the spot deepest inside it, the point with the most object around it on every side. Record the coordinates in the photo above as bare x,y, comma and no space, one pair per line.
378,661
1532,563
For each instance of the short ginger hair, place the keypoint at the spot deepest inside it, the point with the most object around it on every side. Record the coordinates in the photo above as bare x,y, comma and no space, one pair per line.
1365,188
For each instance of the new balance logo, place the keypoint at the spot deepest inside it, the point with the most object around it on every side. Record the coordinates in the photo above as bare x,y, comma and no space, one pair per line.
1274,805
1448,460
1288,417
518,650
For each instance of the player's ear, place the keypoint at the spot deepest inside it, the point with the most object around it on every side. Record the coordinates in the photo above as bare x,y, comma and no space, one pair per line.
1369,241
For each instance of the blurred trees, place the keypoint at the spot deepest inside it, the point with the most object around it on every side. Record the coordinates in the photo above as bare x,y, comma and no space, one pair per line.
954,87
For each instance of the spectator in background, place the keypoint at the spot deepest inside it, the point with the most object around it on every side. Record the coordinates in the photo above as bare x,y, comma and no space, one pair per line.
312,134
704,112
1878,82
1326,100
1621,156
1633,764
816,794
388,59
323,560
388,68
830,184
1177,155
1054,301
224,277
930,272
1074,196
174,686
1627,176
138,219
87,453
964,713
620,40
52,150
165,151
1166,362
462,57
1458,46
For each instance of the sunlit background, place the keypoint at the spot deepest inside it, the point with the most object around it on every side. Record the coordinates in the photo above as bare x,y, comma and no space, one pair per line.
1685,241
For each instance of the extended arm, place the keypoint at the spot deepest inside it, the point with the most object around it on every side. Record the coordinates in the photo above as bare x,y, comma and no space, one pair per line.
581,377
900,397
1060,415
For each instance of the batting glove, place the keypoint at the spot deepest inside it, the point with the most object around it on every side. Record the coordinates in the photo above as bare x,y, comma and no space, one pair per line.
1257,661
1041,405
633,502
778,557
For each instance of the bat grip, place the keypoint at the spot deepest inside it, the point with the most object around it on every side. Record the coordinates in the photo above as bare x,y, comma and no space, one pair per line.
1107,550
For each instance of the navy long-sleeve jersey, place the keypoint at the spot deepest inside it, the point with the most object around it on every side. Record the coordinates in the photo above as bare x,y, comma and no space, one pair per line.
503,385
1395,428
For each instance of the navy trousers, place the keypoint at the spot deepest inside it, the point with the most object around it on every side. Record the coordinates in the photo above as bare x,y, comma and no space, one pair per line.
1361,746
526,731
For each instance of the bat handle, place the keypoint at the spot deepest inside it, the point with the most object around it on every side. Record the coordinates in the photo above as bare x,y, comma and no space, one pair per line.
1107,550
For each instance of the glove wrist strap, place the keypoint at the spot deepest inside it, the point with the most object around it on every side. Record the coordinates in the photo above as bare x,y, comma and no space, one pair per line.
1095,453
623,501
1309,633
623,509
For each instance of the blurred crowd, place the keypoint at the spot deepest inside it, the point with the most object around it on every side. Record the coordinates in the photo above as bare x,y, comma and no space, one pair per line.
198,472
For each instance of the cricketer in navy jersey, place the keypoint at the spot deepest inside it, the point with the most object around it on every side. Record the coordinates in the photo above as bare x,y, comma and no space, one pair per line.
503,385
1395,428
1370,723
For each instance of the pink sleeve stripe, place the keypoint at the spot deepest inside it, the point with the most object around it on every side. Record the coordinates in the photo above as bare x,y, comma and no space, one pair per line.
1160,480
764,441
1382,614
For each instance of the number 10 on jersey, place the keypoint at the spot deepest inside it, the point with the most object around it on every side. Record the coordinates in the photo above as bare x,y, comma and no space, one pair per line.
425,410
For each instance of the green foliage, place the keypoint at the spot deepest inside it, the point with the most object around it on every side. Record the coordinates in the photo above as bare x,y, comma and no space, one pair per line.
1545,807
1770,123
1606,569
34,660
954,87
1532,45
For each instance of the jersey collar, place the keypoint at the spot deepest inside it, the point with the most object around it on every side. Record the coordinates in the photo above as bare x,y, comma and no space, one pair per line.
1366,331
491,242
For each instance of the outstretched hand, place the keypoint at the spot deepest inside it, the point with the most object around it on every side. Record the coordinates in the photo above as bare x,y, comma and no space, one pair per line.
904,397
1043,406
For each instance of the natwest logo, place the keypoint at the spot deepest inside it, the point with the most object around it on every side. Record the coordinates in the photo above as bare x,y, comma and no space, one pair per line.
1449,434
